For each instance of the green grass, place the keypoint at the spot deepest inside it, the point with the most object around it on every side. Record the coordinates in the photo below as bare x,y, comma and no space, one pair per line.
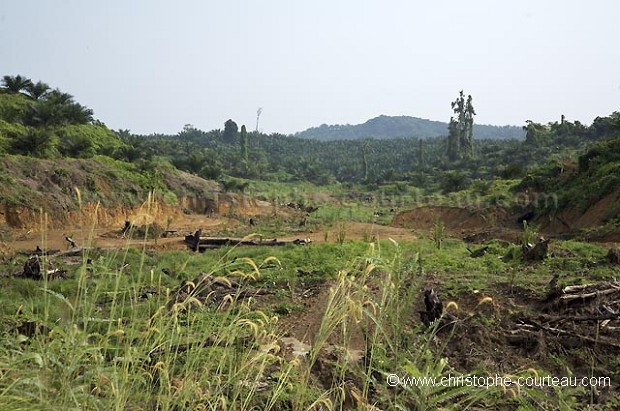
108,338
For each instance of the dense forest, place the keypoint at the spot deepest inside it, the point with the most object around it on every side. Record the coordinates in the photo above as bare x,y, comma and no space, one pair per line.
385,127
419,162
40,122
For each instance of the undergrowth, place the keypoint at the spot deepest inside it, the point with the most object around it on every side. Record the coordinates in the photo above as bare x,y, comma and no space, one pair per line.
112,337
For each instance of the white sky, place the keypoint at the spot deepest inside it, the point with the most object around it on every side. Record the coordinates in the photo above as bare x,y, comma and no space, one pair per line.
154,66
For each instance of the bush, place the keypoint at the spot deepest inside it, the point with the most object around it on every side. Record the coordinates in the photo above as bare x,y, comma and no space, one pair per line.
37,142
87,140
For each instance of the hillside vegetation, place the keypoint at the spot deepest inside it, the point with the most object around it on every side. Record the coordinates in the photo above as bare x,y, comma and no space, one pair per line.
414,258
38,122
51,145
585,189
421,163
51,125
386,127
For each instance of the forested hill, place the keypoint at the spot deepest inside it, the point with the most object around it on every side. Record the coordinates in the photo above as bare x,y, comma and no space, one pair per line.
39,122
383,127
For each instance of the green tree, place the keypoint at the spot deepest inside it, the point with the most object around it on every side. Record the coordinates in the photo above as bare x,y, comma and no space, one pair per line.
37,90
37,142
16,84
606,127
454,142
534,132
244,144
461,129
55,109
230,131
452,181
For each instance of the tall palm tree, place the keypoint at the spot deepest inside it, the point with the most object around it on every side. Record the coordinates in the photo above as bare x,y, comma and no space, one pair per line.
58,97
16,84
37,90
75,113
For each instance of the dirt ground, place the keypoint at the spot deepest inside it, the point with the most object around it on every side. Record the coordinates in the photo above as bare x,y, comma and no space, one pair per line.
479,345
109,238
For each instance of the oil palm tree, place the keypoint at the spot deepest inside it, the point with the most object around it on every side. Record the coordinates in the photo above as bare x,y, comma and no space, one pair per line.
16,84
37,90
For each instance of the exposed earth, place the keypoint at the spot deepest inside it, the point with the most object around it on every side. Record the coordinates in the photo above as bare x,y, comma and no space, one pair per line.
479,346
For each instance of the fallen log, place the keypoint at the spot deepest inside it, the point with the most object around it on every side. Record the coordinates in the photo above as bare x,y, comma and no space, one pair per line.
580,318
197,243
479,252
569,289
585,296
584,338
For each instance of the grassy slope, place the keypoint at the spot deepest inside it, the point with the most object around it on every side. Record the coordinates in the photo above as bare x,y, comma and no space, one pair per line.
51,184
108,340
584,192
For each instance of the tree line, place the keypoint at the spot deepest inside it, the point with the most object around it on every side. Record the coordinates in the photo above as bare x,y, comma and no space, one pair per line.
38,121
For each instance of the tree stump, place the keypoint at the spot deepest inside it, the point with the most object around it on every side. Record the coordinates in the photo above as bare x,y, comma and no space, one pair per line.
537,252
433,305
32,268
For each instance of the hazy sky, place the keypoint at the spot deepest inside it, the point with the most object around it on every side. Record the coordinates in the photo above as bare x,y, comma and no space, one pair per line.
154,66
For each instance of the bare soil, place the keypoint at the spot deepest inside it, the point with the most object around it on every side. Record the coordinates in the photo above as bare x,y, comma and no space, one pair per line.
182,224
479,337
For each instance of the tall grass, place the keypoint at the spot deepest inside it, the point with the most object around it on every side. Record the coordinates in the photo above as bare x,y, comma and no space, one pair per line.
104,343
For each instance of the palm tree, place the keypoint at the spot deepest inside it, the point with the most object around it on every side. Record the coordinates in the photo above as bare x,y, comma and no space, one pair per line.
38,90
75,113
38,142
15,84
58,97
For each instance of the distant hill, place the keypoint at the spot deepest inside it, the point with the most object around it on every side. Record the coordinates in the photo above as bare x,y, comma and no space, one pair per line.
383,127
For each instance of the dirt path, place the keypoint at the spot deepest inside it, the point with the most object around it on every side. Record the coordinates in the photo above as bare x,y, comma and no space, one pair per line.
358,231
107,238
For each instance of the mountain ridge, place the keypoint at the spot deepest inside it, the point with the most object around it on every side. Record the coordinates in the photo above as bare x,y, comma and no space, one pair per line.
385,127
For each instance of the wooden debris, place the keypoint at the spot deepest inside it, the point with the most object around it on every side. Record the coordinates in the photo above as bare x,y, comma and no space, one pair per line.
433,305
584,296
573,316
193,241
32,268
72,243
536,252
479,252
197,243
